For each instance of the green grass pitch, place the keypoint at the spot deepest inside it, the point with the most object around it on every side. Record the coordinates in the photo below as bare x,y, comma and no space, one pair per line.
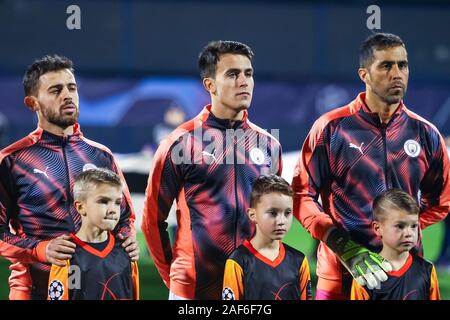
153,288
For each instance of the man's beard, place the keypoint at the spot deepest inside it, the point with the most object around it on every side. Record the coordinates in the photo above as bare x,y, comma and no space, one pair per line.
390,98
393,99
59,119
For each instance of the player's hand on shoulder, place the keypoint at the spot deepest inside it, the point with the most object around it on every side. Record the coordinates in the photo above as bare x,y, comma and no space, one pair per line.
60,249
131,246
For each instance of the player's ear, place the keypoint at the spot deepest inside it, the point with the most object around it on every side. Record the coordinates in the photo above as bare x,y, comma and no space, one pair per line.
32,103
210,85
363,74
79,206
251,214
376,228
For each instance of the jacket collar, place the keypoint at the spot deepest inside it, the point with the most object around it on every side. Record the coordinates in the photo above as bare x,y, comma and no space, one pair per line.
41,134
211,120
359,105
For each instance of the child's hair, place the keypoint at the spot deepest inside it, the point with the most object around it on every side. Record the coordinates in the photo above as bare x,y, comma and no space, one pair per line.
393,199
92,178
269,184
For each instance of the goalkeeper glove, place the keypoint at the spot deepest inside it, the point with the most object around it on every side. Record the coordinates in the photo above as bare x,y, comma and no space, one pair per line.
366,267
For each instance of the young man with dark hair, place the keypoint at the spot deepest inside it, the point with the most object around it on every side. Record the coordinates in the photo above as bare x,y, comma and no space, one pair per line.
210,56
355,152
208,165
396,224
377,41
36,179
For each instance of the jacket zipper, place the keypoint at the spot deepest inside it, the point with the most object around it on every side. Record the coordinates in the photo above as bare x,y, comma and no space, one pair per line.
69,197
235,193
383,135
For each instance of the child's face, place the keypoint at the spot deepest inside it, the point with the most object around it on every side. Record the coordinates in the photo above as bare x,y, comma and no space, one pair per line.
272,215
399,230
101,207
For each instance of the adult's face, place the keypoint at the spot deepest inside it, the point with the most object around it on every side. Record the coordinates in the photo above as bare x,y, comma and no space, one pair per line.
233,83
57,99
387,76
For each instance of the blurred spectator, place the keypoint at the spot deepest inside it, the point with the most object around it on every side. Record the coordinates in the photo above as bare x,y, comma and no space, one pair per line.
173,117
443,261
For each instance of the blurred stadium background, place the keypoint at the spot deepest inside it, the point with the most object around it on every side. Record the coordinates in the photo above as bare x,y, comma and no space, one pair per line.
137,74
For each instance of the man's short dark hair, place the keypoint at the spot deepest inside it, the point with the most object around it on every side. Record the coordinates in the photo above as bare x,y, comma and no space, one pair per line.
42,66
269,184
210,55
393,199
377,41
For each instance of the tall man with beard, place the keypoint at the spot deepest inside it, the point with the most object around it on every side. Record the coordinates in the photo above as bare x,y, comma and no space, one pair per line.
36,179
354,153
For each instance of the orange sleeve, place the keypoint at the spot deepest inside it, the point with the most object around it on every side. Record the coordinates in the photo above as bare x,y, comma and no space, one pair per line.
358,292
310,176
164,185
434,286
233,279
19,282
58,283
135,279
305,281
23,255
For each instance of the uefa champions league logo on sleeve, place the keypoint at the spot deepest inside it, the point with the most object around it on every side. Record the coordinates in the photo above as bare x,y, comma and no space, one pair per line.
227,294
55,290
